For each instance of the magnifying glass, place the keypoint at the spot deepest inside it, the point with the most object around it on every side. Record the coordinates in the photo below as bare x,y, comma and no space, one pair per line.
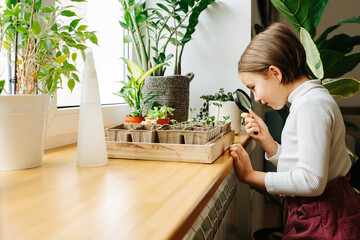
243,101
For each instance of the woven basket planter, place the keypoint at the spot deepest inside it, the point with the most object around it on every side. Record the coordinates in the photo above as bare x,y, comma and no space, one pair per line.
174,91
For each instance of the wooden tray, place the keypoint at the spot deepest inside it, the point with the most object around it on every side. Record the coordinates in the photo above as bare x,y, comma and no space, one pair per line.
206,153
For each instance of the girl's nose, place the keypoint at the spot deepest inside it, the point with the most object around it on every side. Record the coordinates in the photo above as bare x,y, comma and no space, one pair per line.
256,98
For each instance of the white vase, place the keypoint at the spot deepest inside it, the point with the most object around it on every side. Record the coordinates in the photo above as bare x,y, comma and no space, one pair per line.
22,130
91,136
229,108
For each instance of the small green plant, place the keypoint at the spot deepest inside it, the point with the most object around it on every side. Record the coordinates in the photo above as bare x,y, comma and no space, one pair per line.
173,122
131,91
220,96
226,118
191,112
219,105
159,112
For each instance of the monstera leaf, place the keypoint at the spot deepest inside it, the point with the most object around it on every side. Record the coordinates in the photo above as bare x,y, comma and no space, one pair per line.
313,59
301,13
343,87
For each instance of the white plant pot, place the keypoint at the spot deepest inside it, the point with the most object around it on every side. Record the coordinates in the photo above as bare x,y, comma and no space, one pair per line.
230,109
22,130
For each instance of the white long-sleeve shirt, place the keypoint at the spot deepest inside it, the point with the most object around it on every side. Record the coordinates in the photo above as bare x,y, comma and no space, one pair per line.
313,150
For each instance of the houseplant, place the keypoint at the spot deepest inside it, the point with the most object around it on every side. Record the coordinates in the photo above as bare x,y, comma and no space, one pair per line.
159,114
44,50
151,31
336,53
221,104
132,93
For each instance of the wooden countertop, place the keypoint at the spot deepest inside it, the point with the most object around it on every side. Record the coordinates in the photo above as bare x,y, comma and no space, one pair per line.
127,199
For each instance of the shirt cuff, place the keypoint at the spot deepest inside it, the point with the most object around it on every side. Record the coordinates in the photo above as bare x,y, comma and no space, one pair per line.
276,156
269,182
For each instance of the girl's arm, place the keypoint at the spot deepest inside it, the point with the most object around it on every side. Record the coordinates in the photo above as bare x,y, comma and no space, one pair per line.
243,169
254,123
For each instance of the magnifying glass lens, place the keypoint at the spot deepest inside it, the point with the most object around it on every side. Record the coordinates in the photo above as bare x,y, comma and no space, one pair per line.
243,101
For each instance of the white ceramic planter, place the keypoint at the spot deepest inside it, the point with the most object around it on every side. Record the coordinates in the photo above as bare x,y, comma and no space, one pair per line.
230,109
22,130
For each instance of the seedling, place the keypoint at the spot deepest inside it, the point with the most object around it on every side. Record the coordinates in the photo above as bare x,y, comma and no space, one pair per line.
218,112
226,118
191,111
173,121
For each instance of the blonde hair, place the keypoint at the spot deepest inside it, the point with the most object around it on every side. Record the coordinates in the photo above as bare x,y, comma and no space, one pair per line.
277,46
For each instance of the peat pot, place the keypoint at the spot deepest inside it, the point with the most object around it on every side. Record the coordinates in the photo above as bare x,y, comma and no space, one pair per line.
22,130
174,92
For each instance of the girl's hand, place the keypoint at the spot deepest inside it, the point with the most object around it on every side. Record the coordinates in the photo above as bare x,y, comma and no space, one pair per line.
254,124
241,161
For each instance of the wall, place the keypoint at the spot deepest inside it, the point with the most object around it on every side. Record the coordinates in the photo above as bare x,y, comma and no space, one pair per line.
212,55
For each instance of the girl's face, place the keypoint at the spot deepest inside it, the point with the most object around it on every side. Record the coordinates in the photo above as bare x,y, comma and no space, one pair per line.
267,88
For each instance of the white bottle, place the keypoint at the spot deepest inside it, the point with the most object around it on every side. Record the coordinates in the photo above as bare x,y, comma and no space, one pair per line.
91,136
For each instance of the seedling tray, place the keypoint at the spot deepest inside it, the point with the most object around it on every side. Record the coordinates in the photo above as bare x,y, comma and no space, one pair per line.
206,153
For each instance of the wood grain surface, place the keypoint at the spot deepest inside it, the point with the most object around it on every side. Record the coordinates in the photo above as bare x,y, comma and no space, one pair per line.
126,199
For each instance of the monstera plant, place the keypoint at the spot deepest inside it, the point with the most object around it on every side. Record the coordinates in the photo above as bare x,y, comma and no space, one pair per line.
329,59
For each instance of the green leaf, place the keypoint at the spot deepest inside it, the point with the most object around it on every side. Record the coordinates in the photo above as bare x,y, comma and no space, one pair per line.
318,9
324,35
47,45
62,58
80,46
93,38
74,56
82,27
133,68
75,76
73,24
297,12
163,7
148,72
336,64
67,13
342,43
312,54
47,9
127,39
2,84
343,87
21,29
123,25
36,28
71,84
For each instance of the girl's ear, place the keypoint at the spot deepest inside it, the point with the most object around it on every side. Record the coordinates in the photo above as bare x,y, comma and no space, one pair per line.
275,71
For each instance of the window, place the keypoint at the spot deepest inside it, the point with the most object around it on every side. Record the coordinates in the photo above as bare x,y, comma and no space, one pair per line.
102,18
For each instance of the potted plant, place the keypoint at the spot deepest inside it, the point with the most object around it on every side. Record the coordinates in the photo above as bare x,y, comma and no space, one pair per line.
159,114
132,93
221,104
151,31
44,51
336,53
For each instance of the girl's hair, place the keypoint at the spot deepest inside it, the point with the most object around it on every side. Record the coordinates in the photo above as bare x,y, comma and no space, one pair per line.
277,46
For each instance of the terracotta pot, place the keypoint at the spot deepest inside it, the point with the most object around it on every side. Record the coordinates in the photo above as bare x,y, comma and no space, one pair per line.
163,121
129,119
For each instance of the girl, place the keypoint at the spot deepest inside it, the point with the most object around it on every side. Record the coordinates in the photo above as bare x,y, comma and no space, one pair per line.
312,162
